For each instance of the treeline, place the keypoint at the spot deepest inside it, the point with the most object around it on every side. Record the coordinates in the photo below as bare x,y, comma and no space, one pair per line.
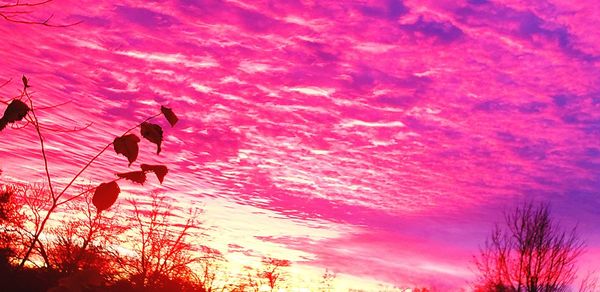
56,237
137,246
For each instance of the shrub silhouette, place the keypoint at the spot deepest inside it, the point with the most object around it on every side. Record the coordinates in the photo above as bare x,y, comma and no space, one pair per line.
10,220
77,254
76,251
84,242
161,247
22,108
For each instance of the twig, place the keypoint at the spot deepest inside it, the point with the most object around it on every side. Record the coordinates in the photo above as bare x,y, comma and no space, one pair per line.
66,130
41,138
54,105
6,82
100,153
29,4
44,23
8,15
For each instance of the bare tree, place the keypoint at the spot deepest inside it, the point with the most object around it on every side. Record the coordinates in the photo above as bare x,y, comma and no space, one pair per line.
21,109
529,252
162,251
245,282
11,221
84,242
34,201
210,265
273,271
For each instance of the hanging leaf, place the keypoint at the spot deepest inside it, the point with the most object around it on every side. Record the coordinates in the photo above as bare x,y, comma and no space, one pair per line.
159,170
153,133
134,176
25,82
128,146
105,195
169,115
15,111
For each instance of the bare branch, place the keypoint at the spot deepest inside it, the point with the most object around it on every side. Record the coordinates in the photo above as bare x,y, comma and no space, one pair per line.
8,13
530,252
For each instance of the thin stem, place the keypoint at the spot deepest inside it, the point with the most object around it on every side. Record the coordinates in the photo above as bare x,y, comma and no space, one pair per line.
44,23
8,15
100,153
37,235
57,130
6,82
88,238
82,193
55,198
18,4
36,124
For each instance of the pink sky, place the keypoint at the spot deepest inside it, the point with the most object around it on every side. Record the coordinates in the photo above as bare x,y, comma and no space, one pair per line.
379,139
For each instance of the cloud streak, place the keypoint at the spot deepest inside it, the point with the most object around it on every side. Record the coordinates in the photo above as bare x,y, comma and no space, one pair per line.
391,126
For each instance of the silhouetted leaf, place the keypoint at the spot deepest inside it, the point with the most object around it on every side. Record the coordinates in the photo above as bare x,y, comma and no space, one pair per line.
134,176
15,111
25,82
169,115
153,133
128,146
105,195
159,170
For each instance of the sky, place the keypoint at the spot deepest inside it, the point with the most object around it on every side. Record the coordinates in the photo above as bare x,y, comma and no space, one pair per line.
377,139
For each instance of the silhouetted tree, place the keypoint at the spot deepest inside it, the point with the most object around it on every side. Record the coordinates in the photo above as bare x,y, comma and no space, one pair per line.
33,199
84,240
529,252
273,271
210,266
10,222
162,252
245,282
21,109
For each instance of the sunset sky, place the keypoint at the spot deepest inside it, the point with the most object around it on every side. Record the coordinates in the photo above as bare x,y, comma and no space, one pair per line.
377,139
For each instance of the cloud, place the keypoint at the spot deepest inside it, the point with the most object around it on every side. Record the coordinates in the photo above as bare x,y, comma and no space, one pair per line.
525,25
331,117
443,32
385,9
145,17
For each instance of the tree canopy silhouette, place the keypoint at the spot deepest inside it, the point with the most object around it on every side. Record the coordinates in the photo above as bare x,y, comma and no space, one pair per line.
21,109
529,252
